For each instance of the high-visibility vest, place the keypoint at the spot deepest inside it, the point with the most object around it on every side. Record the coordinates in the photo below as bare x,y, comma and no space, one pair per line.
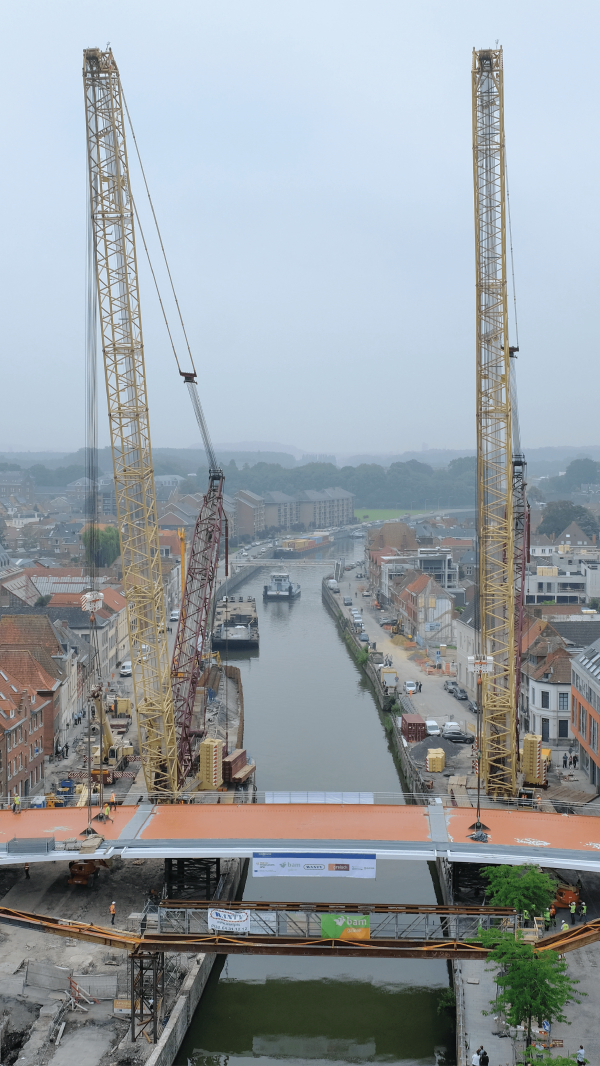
525,915
113,909
584,908
572,908
547,915
564,927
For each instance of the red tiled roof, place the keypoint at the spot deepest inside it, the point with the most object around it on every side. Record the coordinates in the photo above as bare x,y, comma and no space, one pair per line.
23,665
29,629
419,584
558,665
114,599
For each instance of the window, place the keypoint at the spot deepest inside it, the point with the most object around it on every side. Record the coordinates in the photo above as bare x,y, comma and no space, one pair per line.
533,697
573,710
582,721
563,728
545,729
540,585
593,733
545,698
563,701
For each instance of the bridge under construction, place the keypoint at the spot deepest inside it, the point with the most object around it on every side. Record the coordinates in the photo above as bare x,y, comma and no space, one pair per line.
254,830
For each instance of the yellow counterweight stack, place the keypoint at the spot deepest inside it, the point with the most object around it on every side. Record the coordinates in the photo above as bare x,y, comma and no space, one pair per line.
494,444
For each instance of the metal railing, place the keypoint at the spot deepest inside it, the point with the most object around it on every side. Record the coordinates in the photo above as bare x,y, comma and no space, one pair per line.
302,796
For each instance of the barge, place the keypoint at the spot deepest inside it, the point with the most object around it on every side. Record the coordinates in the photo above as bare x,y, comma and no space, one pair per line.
235,624
280,587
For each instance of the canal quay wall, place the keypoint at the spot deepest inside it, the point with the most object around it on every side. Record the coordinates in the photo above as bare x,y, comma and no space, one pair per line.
411,773
190,994
418,790
231,584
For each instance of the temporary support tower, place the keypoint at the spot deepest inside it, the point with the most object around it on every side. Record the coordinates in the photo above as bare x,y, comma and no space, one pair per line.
112,211
494,433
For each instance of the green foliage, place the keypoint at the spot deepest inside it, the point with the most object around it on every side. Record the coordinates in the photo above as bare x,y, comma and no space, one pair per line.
9,466
521,887
63,475
42,601
532,1054
362,656
447,1001
579,472
107,547
595,603
530,985
399,487
559,514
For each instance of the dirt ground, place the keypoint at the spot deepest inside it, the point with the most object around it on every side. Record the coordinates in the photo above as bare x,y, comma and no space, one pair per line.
26,1011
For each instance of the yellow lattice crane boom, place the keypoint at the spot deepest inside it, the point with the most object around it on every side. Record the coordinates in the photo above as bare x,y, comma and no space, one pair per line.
494,431
113,234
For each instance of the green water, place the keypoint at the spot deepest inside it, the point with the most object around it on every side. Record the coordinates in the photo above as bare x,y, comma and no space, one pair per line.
312,723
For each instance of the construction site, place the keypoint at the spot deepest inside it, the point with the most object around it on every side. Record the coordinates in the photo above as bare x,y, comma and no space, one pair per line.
105,954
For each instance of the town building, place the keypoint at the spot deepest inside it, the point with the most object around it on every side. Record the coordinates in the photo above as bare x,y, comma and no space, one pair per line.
325,509
17,485
424,608
250,513
585,709
281,511
22,712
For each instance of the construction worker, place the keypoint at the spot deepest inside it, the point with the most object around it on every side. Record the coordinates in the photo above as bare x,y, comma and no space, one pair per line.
113,911
553,915
564,927
113,801
107,817
16,803
573,910
547,919
525,918
583,910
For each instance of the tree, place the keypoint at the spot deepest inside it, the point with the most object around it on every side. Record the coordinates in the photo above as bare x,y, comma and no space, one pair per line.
42,601
521,887
532,984
559,514
107,546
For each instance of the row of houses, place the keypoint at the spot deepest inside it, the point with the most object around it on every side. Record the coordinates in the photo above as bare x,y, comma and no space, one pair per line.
249,514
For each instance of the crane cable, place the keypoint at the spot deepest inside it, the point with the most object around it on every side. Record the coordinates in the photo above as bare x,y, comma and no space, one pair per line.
162,249
189,378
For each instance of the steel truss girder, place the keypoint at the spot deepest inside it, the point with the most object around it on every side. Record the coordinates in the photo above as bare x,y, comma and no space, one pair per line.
193,618
494,453
123,349
445,948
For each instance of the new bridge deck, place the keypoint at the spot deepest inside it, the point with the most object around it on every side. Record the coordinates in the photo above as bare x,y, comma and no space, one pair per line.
231,830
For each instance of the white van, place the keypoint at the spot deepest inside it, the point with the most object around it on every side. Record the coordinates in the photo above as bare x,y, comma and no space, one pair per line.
174,616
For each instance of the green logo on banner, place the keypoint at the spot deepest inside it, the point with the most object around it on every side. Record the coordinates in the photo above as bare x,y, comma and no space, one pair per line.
346,926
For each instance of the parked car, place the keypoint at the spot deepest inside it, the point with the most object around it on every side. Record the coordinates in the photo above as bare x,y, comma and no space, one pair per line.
459,693
125,669
364,637
410,687
450,685
450,727
472,706
433,729
347,601
458,737
366,593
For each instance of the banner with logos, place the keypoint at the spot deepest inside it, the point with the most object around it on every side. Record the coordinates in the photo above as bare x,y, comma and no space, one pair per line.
346,926
220,920
293,864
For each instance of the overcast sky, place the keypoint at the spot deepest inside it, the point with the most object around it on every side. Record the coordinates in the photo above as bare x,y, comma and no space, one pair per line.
311,167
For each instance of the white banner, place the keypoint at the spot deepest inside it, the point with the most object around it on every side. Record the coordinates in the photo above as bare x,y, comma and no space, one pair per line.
228,921
291,864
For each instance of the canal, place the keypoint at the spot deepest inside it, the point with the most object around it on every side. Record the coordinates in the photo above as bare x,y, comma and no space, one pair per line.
313,723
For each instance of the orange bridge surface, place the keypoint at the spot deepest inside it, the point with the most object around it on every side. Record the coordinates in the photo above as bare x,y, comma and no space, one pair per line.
227,830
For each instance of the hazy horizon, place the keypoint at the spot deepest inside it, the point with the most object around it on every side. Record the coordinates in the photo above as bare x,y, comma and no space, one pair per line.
311,167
